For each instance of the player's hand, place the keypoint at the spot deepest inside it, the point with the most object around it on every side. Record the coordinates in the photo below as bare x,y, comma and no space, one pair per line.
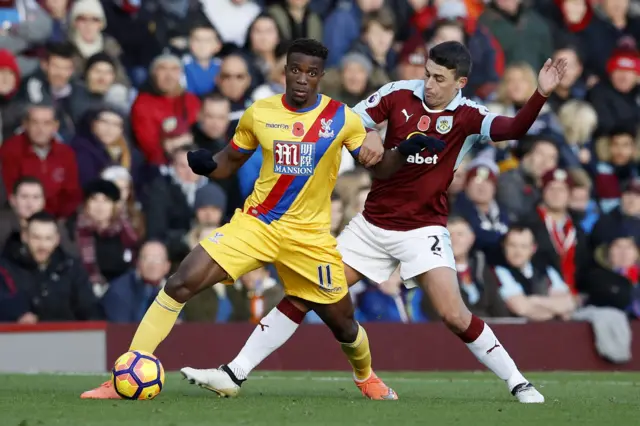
201,162
551,75
419,143
372,150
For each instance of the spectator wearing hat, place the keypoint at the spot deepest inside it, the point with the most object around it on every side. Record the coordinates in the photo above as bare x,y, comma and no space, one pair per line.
46,283
626,216
412,58
201,64
614,274
210,204
531,288
561,243
616,97
617,164
106,239
161,100
234,83
128,204
100,79
175,134
376,42
519,188
87,21
478,206
353,80
39,153
10,109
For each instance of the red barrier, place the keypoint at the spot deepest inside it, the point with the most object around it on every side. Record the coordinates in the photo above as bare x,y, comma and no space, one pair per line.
534,347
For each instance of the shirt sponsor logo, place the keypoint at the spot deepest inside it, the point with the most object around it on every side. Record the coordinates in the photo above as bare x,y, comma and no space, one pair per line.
417,159
294,158
278,126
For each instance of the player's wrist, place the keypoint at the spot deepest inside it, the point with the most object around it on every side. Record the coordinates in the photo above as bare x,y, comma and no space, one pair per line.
542,93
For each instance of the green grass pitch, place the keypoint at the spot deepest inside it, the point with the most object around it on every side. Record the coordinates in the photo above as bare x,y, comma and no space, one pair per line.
330,398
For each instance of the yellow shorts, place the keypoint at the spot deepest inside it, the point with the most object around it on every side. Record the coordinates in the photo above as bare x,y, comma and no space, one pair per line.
308,263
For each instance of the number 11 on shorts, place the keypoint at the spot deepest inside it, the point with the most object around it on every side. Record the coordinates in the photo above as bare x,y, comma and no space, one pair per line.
324,276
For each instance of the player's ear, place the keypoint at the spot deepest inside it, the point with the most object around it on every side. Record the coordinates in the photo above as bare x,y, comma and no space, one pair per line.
461,82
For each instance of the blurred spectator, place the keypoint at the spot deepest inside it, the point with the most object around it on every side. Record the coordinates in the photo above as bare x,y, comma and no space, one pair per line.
161,101
54,83
234,82
477,205
584,208
376,42
618,156
624,218
561,243
10,111
33,29
105,236
87,23
613,275
210,204
519,189
52,286
59,12
296,20
531,289
201,64
38,153
385,302
458,183
100,79
616,98
254,295
343,27
579,121
356,204
274,85
26,199
13,303
352,82
128,205
170,205
175,134
262,42
231,17
571,87
337,214
130,295
566,17
523,34
412,58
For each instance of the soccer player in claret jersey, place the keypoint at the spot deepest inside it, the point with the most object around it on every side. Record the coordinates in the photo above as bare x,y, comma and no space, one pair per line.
405,215
286,220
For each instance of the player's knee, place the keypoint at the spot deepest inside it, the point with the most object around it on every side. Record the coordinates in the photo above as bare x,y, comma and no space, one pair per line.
457,320
346,331
177,288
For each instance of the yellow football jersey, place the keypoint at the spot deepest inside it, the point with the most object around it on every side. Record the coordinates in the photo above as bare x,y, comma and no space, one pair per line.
301,151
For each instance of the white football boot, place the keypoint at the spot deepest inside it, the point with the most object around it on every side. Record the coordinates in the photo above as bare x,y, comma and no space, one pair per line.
219,380
527,394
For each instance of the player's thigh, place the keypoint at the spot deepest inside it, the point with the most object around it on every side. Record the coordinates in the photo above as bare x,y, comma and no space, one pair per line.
362,248
441,287
422,250
311,269
241,246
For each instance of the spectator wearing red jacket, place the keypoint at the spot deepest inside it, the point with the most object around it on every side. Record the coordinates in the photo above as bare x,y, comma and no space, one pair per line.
38,153
162,100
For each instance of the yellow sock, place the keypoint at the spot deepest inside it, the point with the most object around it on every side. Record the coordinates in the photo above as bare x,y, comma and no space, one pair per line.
359,355
156,324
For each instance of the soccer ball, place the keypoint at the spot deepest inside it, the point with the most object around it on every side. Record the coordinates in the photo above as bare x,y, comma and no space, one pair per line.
138,375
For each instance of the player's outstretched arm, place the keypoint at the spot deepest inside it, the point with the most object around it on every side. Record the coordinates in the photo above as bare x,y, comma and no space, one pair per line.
393,159
220,166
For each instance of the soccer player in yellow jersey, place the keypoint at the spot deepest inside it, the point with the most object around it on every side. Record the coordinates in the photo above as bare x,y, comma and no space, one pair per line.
285,221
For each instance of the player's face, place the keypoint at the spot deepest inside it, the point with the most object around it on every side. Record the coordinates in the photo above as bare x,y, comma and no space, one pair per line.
519,247
556,196
462,238
481,191
622,149
29,199
303,74
623,253
42,238
440,85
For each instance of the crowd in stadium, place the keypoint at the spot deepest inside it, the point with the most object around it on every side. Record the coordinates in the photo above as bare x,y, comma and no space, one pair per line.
101,100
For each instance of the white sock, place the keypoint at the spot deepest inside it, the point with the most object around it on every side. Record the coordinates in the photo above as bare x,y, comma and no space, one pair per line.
492,354
272,332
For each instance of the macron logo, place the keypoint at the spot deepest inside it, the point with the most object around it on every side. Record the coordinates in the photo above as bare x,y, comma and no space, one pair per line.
417,159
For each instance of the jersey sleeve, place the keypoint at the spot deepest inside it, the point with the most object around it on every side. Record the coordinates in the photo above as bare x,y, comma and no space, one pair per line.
478,120
375,109
245,139
354,132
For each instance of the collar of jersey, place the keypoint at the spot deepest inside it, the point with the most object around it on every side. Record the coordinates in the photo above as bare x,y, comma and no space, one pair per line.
307,109
455,102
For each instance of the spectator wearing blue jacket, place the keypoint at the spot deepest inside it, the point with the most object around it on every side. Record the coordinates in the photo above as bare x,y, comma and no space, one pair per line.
201,66
130,295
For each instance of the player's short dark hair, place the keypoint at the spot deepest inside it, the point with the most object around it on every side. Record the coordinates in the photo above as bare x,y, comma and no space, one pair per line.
42,217
309,47
26,180
64,50
453,56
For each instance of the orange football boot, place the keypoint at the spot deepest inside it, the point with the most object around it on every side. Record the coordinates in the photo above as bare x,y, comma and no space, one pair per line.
374,388
104,391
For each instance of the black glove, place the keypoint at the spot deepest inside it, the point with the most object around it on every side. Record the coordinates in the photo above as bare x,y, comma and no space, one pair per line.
418,143
201,162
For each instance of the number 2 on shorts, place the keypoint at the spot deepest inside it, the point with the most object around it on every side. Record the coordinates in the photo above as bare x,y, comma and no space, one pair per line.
324,276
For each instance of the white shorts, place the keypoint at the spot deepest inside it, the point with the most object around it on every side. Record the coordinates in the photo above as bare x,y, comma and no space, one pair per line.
376,252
